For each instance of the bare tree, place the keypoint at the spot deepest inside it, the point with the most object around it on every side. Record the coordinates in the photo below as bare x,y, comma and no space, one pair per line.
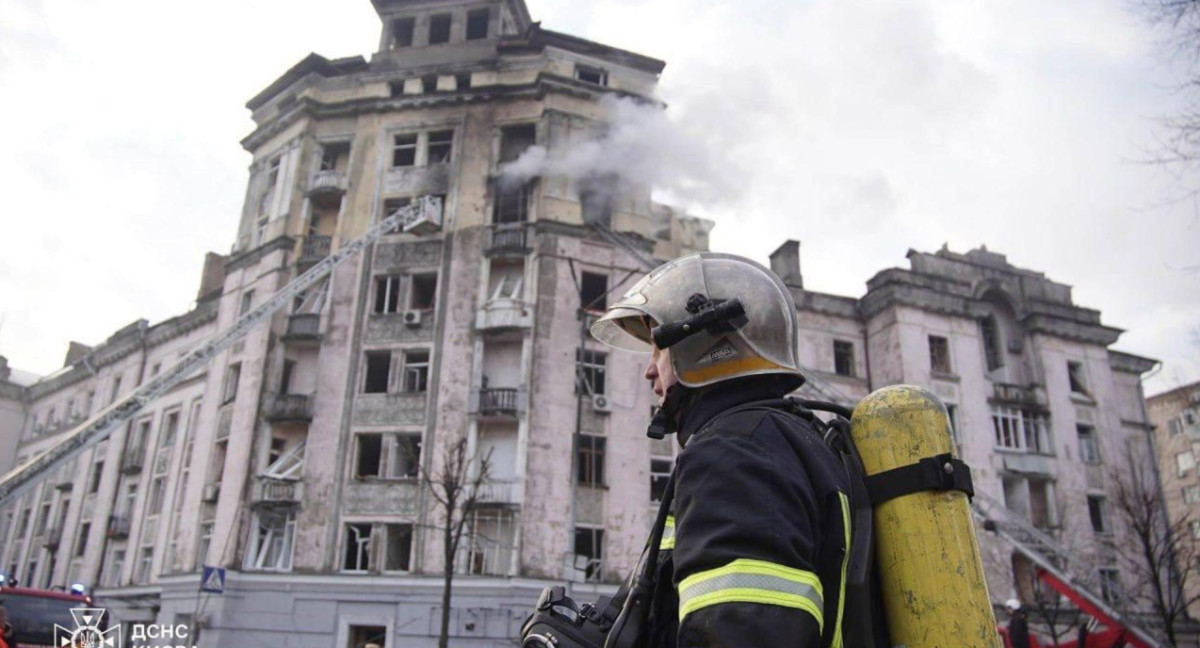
455,484
1180,19
1162,556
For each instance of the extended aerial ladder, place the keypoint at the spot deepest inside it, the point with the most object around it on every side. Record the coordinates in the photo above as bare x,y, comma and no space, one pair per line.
422,216
1060,568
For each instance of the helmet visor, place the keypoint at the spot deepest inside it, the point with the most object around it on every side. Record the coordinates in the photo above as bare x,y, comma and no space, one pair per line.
623,328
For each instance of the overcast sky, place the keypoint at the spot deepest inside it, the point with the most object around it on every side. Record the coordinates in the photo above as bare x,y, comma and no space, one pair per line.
860,128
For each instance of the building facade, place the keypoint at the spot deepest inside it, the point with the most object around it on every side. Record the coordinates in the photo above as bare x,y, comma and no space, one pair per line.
295,458
1175,415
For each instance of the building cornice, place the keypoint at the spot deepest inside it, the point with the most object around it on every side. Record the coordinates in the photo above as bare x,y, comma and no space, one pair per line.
254,255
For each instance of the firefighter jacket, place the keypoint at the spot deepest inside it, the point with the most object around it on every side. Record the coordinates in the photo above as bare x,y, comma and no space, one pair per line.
755,553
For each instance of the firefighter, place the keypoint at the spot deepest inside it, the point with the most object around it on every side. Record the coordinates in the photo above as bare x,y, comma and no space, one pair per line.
755,552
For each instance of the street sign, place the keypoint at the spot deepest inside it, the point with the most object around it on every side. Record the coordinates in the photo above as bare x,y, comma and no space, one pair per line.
213,580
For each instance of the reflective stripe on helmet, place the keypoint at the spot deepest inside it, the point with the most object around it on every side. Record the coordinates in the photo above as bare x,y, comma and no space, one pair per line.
736,367
752,581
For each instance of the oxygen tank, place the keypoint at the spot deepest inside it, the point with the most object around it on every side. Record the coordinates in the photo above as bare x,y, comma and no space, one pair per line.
931,573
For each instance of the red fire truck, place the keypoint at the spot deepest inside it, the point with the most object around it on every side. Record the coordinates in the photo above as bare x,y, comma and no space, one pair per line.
33,613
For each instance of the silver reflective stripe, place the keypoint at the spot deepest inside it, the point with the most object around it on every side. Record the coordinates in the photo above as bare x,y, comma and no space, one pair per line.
753,581
668,536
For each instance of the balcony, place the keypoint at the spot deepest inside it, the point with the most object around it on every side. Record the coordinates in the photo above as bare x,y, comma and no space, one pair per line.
133,460
503,492
504,401
53,538
303,328
504,314
508,239
287,407
277,491
327,187
314,248
1018,394
118,526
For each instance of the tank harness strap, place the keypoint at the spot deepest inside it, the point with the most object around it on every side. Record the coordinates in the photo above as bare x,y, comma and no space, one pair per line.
940,473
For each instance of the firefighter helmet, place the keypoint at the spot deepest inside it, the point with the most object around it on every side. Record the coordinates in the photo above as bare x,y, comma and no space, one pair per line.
764,344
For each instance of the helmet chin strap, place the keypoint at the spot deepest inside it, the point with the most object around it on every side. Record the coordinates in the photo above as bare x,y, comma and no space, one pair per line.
666,419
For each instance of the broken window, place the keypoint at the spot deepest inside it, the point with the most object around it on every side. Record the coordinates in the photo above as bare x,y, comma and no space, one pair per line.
424,292
843,358
1021,429
387,294
438,147
477,24
593,292
416,371
1089,450
404,150
378,373
406,456
368,455
439,29
399,547
591,74
589,551
272,535
1076,377
512,202
1096,514
402,32
660,471
590,369
357,550
515,140
990,333
229,389
939,354
589,464
362,636
597,196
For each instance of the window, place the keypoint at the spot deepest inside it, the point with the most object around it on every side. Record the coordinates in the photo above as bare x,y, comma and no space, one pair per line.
368,455
991,342
81,542
97,473
660,471
1189,418
1174,427
206,531
843,358
272,536
597,195
593,75
404,150
1089,450
170,429
939,354
357,549
1020,429
399,547
589,468
512,202
477,24
1195,527
1110,586
462,81
515,140
406,456
424,292
145,560
247,302
116,564
416,371
362,636
1075,376
1191,494
1096,514
429,83
402,32
378,374
1184,461
116,390
593,292
589,551
157,491
229,389
589,372
387,294
439,29
269,190
39,527
438,147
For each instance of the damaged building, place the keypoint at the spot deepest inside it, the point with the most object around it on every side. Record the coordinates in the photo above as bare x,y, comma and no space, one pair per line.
295,458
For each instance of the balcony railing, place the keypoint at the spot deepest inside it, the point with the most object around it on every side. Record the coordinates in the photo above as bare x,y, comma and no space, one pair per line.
327,181
53,537
277,491
504,313
118,526
1011,393
508,238
303,327
314,248
498,400
500,491
133,460
287,407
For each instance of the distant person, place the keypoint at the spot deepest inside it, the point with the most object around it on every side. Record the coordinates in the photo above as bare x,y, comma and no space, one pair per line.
1018,625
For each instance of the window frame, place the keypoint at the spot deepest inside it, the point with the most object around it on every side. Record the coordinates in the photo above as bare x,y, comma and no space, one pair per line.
947,365
409,24
352,533
388,529
406,148
357,456
471,32
1087,438
433,25
847,347
377,354
415,369
440,151
590,459
591,369
388,289
583,69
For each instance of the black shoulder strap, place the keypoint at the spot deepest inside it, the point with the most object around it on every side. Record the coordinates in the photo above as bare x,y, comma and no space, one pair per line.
942,472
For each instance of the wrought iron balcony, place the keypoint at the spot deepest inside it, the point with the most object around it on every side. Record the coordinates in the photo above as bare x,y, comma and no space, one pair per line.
499,400
1018,394
133,460
287,407
314,248
118,526
504,313
268,490
303,327
327,187
508,239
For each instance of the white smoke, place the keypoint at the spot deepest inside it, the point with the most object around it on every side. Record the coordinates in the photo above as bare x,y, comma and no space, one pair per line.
639,147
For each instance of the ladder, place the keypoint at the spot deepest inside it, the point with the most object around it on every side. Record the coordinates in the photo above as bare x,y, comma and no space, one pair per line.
422,216
1046,552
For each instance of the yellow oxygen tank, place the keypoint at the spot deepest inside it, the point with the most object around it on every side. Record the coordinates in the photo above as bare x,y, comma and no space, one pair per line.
931,573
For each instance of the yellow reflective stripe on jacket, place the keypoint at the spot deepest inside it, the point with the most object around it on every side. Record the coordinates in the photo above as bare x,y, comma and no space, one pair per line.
752,581
668,536
837,630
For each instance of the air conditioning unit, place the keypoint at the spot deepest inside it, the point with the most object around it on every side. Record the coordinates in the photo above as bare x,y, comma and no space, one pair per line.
210,493
412,318
600,403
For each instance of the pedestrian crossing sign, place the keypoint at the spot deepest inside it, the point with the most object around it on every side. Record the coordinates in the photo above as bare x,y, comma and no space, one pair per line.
213,580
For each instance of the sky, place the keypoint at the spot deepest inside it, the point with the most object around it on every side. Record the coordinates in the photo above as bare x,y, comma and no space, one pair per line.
861,128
